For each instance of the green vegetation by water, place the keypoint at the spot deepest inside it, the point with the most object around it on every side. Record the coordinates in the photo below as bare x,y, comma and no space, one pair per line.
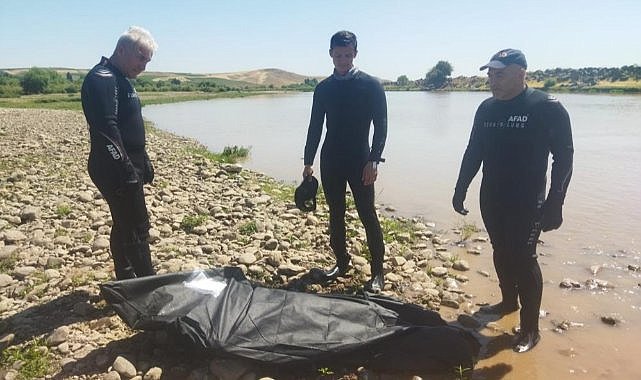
72,101
230,154
625,79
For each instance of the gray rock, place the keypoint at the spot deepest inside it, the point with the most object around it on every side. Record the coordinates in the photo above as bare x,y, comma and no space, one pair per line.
153,373
461,265
247,258
14,236
54,262
271,244
111,375
391,277
29,214
23,272
58,336
6,340
124,367
569,283
63,240
439,271
5,280
85,196
275,258
311,220
290,269
154,235
232,168
398,261
100,243
7,251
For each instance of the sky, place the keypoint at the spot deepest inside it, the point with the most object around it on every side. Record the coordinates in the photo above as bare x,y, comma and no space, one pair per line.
394,37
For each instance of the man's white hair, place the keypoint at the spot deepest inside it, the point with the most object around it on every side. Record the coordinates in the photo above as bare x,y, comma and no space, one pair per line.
137,36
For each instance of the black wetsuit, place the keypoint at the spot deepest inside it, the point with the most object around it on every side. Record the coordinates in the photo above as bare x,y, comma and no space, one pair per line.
118,164
349,105
513,140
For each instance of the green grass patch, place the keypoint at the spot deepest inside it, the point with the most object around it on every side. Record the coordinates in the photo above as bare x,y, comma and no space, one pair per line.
233,154
230,154
148,97
48,101
34,357
280,191
7,264
80,278
73,102
190,222
63,209
467,230
60,232
248,228
394,229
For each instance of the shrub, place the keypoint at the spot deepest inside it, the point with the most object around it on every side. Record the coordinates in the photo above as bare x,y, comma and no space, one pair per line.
189,222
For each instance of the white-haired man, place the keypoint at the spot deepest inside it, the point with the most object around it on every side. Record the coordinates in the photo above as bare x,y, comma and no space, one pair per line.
118,162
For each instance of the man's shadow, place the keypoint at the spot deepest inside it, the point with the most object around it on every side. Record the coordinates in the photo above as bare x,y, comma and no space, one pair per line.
491,345
35,321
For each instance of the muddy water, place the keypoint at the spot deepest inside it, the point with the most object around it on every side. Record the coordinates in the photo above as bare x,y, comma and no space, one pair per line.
600,238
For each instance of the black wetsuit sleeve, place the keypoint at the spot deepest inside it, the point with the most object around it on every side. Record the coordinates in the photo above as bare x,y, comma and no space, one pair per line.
562,148
472,158
100,102
315,129
380,123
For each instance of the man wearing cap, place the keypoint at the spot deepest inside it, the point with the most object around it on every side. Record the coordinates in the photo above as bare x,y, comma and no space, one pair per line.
349,101
513,134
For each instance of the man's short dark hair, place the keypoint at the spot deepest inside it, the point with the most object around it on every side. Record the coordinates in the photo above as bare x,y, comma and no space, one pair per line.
343,38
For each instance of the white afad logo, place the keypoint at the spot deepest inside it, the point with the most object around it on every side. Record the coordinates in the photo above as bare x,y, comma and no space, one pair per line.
519,118
114,152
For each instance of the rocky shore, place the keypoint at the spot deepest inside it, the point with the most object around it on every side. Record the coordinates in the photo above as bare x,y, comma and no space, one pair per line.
54,251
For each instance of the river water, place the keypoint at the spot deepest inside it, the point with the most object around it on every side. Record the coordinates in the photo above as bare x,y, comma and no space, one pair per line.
427,136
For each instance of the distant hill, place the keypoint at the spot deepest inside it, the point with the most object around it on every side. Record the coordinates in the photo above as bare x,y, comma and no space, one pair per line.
266,77
261,77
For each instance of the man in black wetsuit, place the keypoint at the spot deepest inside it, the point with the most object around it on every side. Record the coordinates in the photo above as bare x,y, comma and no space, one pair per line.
513,134
118,162
349,101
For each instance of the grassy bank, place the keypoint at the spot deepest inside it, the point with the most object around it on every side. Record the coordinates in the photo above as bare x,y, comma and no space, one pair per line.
72,101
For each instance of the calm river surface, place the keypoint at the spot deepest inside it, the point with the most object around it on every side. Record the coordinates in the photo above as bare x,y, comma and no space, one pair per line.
427,136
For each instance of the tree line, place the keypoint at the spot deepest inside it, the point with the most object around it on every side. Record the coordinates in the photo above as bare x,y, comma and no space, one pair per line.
48,81
439,77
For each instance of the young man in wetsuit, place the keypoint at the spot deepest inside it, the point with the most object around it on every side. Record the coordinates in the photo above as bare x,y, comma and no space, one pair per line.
513,134
118,162
349,101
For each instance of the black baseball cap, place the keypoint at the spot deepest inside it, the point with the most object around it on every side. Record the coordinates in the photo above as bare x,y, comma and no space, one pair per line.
305,194
506,57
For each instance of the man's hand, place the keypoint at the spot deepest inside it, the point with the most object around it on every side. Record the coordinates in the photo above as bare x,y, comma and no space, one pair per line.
457,202
552,215
307,171
148,176
130,180
370,172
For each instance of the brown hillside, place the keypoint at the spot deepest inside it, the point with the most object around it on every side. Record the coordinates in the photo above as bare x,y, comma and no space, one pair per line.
266,77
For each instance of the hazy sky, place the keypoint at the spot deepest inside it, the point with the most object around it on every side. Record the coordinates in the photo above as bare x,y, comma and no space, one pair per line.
395,37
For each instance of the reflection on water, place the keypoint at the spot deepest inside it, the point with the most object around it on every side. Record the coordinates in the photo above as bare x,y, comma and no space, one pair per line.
427,135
